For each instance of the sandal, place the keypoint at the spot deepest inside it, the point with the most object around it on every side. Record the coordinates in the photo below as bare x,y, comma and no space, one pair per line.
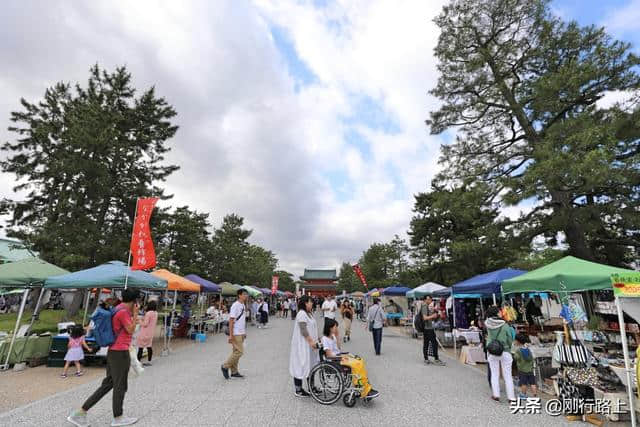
79,373
63,375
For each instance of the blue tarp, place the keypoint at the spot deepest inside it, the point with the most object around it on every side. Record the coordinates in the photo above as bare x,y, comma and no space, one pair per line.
396,291
485,284
109,275
205,285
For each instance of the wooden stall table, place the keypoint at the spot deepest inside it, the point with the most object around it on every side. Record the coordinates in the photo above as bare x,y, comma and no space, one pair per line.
472,354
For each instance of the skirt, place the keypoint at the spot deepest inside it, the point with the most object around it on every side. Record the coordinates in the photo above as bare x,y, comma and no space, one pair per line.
74,354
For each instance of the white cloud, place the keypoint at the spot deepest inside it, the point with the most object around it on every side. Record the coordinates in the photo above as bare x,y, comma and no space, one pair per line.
248,141
625,19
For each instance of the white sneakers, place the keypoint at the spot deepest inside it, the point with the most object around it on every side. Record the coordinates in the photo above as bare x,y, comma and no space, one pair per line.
123,421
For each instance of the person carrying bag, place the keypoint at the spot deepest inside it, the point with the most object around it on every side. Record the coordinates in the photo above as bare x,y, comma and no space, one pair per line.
499,340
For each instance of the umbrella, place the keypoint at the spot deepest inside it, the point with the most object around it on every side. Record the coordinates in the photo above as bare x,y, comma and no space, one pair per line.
253,292
27,272
109,275
205,285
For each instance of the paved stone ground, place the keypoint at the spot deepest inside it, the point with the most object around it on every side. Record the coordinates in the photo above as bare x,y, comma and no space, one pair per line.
187,389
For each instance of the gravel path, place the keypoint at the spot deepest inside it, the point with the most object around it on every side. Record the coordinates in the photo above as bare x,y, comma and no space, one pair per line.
187,389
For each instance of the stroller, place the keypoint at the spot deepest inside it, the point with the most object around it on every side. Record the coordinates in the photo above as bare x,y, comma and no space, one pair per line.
340,377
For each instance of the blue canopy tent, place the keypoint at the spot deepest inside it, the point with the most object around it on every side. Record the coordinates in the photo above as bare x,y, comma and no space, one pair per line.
205,285
396,291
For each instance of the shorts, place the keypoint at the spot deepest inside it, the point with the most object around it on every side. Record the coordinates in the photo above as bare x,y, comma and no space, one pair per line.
525,378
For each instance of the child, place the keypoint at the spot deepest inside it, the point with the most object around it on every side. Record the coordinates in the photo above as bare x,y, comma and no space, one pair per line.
524,361
74,351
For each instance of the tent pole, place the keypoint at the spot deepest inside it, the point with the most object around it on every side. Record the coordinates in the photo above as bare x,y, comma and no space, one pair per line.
494,300
481,308
175,299
455,346
19,366
86,308
627,364
15,331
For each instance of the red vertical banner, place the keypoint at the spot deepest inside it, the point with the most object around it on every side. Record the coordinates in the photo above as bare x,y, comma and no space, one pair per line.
274,284
143,255
360,275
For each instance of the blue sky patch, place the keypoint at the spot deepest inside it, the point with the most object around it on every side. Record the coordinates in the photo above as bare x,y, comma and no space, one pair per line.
297,68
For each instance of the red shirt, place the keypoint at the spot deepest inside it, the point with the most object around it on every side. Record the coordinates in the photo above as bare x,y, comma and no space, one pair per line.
119,321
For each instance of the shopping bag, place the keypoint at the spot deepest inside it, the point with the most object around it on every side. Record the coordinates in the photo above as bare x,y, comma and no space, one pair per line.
136,366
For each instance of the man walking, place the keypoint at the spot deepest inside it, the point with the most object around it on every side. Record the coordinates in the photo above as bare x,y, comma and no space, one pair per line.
237,334
329,308
123,322
429,314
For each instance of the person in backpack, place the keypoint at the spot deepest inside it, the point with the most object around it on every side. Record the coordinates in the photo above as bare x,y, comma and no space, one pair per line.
499,340
428,314
524,362
124,319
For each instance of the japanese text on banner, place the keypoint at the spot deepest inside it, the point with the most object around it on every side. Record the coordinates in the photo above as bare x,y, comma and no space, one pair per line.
143,254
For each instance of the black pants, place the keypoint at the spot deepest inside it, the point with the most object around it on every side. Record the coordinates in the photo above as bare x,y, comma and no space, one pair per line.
298,383
149,353
118,363
429,337
293,314
377,339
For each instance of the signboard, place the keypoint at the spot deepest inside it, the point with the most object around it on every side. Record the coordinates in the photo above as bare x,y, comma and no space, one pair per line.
360,274
274,284
143,255
626,285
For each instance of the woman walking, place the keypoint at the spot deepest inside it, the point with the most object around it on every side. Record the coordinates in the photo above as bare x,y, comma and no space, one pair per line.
499,340
147,330
304,345
347,316
376,320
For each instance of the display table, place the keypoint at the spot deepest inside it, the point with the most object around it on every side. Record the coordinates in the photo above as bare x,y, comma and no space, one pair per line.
36,347
619,403
469,335
472,354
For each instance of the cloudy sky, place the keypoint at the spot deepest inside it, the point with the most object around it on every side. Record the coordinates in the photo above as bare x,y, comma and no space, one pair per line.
305,117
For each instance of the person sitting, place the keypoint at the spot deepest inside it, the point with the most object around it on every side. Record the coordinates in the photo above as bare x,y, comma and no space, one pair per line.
212,312
358,368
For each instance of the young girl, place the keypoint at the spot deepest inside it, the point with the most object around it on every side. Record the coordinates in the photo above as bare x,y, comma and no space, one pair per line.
147,329
329,341
74,351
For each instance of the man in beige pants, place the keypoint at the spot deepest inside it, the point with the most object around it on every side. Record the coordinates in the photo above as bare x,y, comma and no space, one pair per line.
237,334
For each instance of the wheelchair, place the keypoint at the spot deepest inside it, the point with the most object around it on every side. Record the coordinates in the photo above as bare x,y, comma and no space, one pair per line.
329,381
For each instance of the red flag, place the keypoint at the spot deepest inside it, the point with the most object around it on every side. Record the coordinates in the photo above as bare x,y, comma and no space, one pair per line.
142,252
360,274
274,284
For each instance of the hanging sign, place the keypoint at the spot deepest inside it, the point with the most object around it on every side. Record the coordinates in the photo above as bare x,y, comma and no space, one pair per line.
143,255
626,285
274,284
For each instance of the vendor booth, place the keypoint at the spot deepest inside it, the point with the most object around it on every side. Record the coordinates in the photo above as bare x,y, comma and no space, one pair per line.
581,354
394,302
26,275
423,290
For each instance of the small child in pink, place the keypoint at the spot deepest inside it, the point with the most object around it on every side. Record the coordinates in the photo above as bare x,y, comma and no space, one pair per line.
75,351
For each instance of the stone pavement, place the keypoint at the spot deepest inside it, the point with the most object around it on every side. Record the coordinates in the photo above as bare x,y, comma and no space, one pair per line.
187,389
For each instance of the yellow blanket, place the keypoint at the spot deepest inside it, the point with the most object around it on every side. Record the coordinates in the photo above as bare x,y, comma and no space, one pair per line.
358,373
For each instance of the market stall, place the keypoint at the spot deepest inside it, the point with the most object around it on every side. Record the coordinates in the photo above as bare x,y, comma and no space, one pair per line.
25,274
589,360
423,290
395,304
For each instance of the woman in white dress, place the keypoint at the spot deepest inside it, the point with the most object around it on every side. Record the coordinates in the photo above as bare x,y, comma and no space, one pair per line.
304,345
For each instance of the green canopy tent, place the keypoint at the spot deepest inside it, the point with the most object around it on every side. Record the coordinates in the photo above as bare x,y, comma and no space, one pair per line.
569,274
27,274
253,292
229,290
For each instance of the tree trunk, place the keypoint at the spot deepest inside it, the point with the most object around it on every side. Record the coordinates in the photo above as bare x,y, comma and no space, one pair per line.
76,304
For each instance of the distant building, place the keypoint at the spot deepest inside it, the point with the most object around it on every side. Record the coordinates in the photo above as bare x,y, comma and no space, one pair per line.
319,282
13,250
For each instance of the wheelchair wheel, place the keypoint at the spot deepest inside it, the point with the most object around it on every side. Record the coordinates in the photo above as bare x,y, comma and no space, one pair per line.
349,400
325,383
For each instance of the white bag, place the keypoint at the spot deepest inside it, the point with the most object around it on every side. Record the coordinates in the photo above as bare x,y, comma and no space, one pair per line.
136,366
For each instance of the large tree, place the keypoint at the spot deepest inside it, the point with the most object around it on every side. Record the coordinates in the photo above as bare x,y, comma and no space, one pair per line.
82,156
521,87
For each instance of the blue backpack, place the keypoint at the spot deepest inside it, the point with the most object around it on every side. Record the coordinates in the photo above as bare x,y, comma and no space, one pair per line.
102,326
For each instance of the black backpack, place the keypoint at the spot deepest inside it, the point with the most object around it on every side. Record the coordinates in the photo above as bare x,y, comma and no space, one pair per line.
418,321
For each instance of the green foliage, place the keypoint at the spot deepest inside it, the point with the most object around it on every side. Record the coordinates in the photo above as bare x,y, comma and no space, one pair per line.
347,279
285,281
84,154
521,87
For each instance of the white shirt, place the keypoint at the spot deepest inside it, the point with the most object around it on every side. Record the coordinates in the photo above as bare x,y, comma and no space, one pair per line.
331,307
239,313
265,307
331,345
211,311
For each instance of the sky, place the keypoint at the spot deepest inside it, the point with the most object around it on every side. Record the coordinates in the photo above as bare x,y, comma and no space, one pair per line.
304,117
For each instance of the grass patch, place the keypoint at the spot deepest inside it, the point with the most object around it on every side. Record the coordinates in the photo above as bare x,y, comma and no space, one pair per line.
47,322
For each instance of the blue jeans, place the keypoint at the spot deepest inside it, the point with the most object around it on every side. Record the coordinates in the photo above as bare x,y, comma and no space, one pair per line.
377,339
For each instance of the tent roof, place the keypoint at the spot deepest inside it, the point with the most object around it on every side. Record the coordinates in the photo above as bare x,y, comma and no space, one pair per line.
398,291
357,294
426,289
27,272
253,291
487,283
109,275
205,285
569,274
229,290
176,282
13,250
